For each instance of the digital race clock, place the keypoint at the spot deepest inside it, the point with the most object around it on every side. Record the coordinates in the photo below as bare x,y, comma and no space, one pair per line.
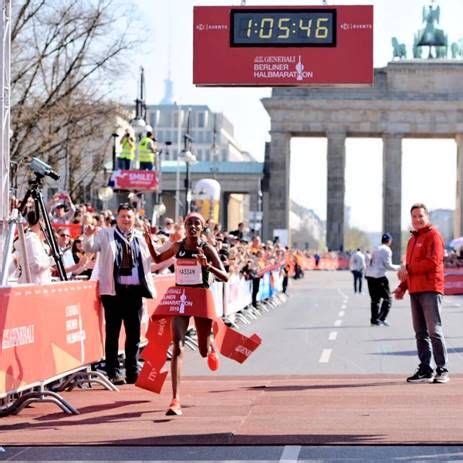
283,45
283,28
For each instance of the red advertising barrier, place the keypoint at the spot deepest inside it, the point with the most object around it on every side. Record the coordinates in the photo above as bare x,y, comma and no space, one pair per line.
46,331
325,263
453,281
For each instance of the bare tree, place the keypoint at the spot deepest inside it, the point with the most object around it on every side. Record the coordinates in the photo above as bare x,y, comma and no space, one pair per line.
65,56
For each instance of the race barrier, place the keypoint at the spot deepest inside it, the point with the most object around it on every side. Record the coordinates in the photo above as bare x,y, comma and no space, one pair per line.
46,331
453,281
324,263
51,331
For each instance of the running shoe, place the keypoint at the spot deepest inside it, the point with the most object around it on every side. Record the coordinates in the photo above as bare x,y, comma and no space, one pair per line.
213,361
442,376
421,376
174,408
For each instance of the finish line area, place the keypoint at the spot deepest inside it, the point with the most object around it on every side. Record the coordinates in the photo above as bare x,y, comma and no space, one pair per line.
289,410
284,396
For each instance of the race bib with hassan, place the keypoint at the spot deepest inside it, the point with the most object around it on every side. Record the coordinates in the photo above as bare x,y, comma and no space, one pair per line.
188,272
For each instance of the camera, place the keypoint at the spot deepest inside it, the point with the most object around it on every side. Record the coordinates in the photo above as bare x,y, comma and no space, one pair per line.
42,169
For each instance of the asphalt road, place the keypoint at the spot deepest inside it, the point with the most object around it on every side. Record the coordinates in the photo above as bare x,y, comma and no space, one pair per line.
322,329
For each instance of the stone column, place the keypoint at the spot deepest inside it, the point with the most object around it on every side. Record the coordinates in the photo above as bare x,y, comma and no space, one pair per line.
276,211
458,218
392,191
336,163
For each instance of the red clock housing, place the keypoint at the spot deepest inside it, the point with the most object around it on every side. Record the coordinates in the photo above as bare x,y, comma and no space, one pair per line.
283,45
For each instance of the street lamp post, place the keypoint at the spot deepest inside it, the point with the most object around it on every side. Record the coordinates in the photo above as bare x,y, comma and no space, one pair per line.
159,207
190,159
114,135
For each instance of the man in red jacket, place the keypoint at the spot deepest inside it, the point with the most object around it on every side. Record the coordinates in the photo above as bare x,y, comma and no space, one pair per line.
423,277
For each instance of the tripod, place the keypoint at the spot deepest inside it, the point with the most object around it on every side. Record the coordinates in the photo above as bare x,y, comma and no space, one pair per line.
35,192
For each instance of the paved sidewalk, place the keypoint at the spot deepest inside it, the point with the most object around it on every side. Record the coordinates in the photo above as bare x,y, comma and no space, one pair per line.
258,410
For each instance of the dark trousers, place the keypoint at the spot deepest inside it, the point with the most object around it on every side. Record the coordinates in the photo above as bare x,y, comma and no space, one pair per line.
427,323
379,295
255,290
285,283
358,276
123,163
125,307
146,165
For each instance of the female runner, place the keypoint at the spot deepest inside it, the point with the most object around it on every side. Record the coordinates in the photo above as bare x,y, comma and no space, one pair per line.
195,259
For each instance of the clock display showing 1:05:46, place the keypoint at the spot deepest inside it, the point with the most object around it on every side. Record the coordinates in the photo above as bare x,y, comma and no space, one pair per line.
308,27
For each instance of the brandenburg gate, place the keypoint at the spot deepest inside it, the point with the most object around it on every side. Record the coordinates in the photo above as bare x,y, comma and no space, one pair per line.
409,99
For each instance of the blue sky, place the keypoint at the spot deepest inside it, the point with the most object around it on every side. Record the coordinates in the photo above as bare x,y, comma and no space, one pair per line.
168,44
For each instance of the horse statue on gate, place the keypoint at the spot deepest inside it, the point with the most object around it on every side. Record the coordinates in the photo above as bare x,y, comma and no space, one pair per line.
399,50
457,49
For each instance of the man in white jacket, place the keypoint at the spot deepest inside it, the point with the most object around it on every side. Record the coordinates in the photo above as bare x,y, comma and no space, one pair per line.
123,271
378,284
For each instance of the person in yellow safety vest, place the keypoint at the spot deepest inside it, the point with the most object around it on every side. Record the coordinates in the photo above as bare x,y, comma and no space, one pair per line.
147,151
127,154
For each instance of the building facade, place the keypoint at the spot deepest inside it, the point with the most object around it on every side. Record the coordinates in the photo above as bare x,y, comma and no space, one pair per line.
211,134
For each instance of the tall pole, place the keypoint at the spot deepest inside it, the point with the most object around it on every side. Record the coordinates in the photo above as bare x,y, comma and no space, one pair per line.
186,151
179,149
187,189
114,135
5,32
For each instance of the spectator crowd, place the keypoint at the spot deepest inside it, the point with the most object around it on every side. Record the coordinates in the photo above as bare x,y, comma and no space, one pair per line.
242,251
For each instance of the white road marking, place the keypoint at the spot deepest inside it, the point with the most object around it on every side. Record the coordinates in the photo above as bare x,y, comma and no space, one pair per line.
344,306
345,296
290,454
338,323
333,335
325,357
341,313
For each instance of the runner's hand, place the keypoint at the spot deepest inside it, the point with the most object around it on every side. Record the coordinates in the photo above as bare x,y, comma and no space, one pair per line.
201,258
